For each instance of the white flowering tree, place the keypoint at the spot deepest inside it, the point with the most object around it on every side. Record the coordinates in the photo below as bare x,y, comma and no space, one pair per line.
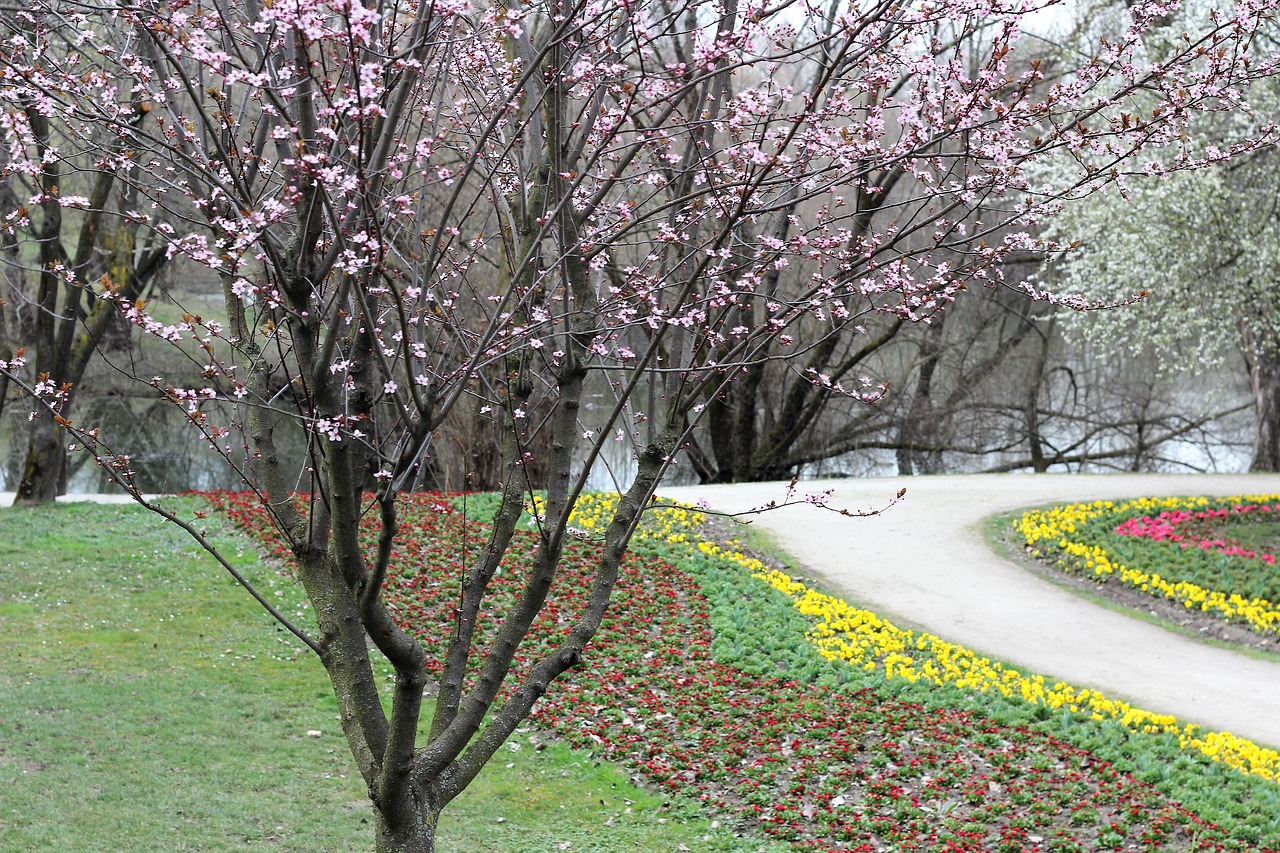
1203,250
424,211
1197,250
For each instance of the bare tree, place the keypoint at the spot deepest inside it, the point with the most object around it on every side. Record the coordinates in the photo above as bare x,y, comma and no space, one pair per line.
56,248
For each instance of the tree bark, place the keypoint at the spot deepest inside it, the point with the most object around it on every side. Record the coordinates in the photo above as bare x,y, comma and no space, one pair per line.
918,425
1264,379
409,827
6,353
42,471
1031,408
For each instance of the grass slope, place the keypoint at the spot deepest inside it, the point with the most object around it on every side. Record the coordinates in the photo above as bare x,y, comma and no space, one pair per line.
146,704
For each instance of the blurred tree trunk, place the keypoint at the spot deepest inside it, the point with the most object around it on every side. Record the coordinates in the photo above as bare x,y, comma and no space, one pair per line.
1031,410
918,425
1263,360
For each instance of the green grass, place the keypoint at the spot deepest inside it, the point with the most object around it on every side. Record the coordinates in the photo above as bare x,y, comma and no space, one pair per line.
1253,532
146,704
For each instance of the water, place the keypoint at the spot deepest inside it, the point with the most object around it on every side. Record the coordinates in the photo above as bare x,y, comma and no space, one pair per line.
165,453
168,455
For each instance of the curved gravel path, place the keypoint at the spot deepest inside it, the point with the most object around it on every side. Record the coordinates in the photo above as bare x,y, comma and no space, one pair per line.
924,564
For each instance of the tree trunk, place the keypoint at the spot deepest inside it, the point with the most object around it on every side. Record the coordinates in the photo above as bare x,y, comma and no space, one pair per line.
1264,377
69,322
917,425
1031,404
42,472
6,353
415,833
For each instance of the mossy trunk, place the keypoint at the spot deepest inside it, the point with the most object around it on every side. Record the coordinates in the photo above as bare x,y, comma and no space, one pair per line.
42,473
1264,376
416,835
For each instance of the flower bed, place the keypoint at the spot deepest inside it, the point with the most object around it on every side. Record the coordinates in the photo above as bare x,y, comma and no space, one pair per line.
1175,526
758,726
861,638
1139,543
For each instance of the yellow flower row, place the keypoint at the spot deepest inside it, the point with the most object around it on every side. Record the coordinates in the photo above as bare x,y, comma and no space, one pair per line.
1054,529
671,523
846,633
858,637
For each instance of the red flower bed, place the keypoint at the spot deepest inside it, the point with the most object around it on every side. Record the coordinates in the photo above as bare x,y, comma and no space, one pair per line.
826,770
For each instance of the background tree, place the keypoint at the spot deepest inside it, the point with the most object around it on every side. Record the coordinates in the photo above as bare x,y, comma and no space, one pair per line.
776,418
57,245
994,385
1200,246
420,213
1207,260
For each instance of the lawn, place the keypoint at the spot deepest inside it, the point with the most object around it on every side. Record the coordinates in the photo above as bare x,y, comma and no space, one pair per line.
146,704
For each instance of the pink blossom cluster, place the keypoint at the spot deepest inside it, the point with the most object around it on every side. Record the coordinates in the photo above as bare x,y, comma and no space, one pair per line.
415,194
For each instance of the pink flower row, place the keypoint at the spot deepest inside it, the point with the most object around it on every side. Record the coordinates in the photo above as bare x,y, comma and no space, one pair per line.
1164,528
